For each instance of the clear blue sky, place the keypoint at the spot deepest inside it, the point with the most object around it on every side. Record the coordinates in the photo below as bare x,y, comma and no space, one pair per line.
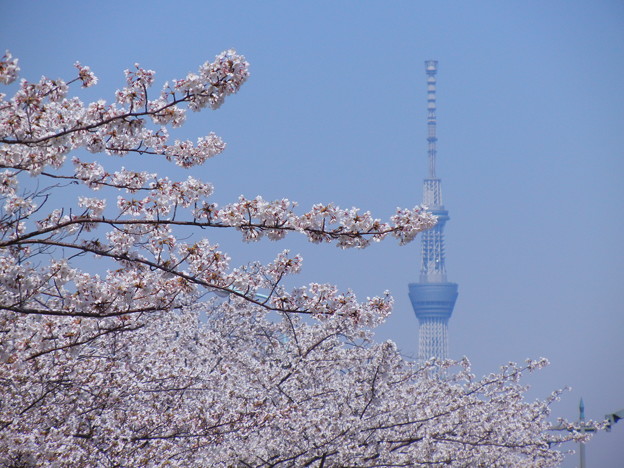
531,147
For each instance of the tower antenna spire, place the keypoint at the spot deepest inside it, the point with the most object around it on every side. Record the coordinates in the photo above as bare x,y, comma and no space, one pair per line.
431,68
433,297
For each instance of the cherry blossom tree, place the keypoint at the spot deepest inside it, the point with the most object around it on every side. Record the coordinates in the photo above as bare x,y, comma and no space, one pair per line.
125,343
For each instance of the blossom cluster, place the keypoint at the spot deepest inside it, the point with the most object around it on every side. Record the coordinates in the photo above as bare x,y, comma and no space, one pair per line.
8,68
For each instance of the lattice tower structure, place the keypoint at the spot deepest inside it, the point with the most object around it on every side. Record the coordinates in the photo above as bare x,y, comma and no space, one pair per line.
433,297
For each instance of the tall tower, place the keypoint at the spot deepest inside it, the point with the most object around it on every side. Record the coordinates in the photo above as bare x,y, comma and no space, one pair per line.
433,297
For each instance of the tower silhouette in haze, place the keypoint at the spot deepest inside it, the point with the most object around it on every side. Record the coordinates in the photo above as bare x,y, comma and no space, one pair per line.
433,297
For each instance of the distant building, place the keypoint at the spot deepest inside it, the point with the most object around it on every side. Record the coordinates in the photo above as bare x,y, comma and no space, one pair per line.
433,297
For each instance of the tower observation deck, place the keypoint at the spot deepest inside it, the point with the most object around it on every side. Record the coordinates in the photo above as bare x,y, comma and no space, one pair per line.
433,297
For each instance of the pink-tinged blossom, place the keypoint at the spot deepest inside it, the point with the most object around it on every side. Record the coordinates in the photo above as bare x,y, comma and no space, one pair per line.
94,206
165,113
131,180
15,204
185,154
92,173
86,76
8,68
8,182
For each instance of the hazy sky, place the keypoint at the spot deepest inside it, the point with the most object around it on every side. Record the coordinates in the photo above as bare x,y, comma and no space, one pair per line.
531,147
